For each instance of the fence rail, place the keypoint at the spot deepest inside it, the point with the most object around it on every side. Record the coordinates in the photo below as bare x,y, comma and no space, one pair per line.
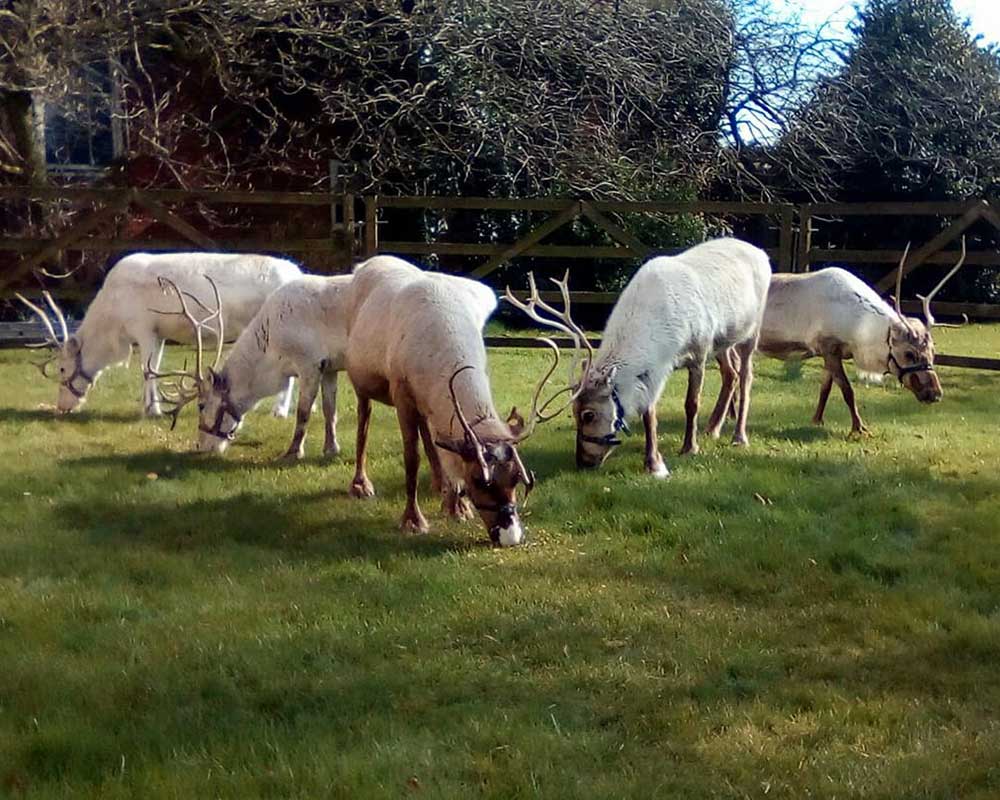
353,231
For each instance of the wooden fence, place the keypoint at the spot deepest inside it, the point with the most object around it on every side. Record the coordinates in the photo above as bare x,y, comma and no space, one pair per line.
355,230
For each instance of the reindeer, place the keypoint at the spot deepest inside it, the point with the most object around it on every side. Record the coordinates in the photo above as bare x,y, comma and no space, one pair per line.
675,312
415,342
123,314
833,314
300,331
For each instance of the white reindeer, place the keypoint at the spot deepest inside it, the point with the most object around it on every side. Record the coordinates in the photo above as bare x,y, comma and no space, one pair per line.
415,342
300,331
127,311
675,312
833,314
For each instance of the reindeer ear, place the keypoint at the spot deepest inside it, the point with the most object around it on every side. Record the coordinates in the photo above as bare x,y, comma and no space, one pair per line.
72,345
515,422
219,380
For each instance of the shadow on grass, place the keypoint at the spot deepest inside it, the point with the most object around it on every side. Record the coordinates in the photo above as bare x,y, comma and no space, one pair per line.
79,418
181,464
316,525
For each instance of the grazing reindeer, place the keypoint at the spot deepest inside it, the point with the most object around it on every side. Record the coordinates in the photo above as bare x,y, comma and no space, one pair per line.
835,315
300,331
122,315
415,342
675,312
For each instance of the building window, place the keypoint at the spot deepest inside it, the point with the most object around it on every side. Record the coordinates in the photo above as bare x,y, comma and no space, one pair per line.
83,131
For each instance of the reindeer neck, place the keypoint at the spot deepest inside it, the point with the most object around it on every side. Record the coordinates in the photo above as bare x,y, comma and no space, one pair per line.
250,371
878,324
641,365
101,338
472,388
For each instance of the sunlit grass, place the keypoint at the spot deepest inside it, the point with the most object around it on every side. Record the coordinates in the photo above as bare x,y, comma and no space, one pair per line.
814,616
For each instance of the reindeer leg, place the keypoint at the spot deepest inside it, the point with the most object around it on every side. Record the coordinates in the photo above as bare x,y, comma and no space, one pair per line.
433,457
654,461
308,387
151,352
360,485
409,426
836,366
696,377
328,380
452,504
824,395
283,402
725,401
745,351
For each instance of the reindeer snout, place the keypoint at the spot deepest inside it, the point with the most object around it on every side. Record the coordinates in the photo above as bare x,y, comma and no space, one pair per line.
507,531
926,387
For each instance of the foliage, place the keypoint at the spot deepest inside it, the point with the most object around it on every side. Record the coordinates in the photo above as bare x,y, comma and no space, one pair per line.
480,97
913,115
812,616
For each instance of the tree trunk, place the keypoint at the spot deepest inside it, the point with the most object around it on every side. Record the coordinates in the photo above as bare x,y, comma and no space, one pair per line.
28,137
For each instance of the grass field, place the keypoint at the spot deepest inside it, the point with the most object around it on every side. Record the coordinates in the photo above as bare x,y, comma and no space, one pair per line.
810,617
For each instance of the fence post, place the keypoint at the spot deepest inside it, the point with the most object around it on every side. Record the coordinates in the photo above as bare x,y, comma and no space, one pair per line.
349,229
786,254
805,238
371,225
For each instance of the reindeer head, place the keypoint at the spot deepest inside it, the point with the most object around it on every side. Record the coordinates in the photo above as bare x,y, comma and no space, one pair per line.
911,346
491,470
600,417
218,419
67,354
911,359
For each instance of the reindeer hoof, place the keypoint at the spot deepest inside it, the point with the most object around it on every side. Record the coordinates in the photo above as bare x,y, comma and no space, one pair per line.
859,433
741,441
279,413
290,457
414,523
152,411
693,450
362,489
658,471
331,451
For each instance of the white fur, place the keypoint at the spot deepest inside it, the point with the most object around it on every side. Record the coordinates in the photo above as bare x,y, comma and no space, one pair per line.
680,309
407,325
809,314
120,315
300,331
512,535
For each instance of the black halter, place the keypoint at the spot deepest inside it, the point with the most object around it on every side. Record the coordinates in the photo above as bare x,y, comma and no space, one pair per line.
78,372
225,407
619,425
901,371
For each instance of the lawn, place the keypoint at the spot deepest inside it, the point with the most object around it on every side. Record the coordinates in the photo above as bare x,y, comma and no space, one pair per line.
813,616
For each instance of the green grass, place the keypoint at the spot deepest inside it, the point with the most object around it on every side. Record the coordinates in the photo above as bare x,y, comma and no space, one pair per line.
810,617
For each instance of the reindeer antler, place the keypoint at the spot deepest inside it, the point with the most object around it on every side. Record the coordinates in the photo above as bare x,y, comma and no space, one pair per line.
470,434
560,320
898,297
53,341
927,300
538,411
176,393
196,324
